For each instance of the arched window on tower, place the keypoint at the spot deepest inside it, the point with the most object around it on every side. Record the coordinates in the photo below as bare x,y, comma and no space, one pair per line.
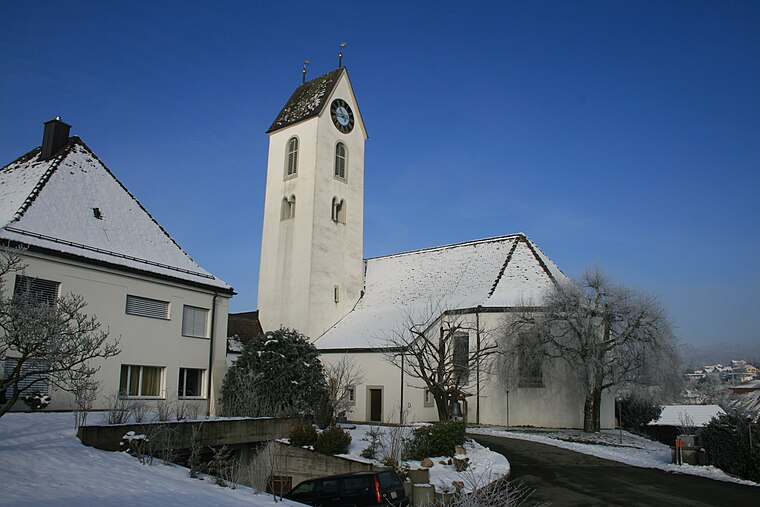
288,209
291,168
339,210
340,161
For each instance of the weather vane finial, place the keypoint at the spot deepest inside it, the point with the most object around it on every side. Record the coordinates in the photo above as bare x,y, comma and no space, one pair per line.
340,55
303,72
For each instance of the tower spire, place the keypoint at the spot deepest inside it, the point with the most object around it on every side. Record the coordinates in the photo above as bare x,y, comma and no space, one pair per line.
303,71
340,54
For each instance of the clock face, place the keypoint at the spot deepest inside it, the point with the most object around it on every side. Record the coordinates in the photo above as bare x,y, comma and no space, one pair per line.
342,116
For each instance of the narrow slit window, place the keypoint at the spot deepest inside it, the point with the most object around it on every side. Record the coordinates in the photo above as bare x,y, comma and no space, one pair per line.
292,164
288,209
340,161
339,210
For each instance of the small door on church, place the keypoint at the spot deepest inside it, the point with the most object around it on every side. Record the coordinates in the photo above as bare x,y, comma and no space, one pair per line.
376,405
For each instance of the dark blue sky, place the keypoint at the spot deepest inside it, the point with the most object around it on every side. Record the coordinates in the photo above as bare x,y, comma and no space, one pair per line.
625,134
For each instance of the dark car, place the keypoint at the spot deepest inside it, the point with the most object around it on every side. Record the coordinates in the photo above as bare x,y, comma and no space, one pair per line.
361,489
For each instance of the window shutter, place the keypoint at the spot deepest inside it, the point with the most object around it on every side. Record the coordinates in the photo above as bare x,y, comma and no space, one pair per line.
36,290
194,322
41,384
146,307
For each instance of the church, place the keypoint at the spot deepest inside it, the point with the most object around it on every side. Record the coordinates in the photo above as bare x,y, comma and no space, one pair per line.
313,277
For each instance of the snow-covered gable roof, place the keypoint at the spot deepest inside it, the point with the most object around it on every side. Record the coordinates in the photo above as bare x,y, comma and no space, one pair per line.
73,204
307,101
697,415
507,271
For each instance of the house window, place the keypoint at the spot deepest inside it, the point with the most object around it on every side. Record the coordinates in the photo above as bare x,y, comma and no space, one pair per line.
146,307
339,210
336,293
194,322
31,381
141,381
340,161
190,383
35,291
288,209
292,161
429,400
530,356
460,358
351,395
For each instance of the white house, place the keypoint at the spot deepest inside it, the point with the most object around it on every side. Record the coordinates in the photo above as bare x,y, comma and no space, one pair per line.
86,234
313,277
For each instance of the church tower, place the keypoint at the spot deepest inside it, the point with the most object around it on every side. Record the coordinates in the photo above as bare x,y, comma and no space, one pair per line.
312,273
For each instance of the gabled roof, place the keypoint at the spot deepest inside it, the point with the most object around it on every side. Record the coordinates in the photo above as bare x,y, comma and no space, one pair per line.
71,204
307,101
495,273
694,415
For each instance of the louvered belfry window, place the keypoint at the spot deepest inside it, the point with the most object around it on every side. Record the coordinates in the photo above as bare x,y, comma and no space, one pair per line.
292,167
146,307
194,322
340,161
35,290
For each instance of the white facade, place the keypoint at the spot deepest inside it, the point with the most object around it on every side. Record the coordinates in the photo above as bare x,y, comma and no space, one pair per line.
83,231
311,265
306,257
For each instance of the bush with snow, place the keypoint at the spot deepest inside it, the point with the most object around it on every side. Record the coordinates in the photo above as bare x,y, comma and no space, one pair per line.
334,440
437,439
277,374
36,401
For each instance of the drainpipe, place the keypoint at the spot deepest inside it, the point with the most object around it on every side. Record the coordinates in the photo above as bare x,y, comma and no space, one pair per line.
401,408
477,365
211,353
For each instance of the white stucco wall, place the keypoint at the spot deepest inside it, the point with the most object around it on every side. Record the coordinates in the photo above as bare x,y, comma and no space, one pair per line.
143,341
304,258
557,405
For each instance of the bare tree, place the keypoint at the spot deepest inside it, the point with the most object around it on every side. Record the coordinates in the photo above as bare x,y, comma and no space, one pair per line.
342,377
434,346
51,341
604,334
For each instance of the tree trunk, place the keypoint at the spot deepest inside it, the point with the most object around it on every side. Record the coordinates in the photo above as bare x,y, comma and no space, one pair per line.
441,403
592,411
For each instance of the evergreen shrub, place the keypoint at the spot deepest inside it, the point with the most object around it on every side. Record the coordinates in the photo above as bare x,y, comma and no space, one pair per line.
636,411
303,434
334,440
727,442
437,439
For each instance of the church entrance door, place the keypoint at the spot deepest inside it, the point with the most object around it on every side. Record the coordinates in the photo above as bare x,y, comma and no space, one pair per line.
376,405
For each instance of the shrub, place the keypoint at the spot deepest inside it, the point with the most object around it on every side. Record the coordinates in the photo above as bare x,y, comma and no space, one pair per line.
437,439
36,401
726,440
324,412
333,440
302,434
636,411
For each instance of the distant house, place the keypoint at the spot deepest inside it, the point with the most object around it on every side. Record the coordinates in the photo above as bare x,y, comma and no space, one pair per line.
687,415
86,234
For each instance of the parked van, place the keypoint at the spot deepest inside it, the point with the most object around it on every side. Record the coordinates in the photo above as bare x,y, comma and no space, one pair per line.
361,489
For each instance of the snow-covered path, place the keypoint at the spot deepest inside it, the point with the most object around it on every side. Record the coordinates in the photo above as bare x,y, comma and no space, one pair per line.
42,463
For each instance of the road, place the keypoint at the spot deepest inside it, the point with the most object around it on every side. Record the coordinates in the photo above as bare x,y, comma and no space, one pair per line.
567,478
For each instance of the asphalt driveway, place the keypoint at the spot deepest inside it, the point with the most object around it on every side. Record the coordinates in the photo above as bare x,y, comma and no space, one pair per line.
567,478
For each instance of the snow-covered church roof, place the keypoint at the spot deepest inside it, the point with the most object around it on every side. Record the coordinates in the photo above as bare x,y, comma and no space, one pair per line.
72,204
494,273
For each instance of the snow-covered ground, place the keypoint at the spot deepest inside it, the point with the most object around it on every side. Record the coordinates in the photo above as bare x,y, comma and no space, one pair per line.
42,463
634,450
485,465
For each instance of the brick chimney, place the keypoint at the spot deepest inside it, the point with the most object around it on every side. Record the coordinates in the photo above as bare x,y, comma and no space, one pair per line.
55,136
